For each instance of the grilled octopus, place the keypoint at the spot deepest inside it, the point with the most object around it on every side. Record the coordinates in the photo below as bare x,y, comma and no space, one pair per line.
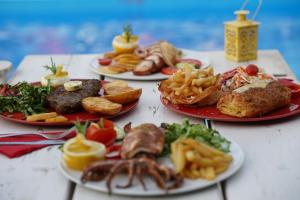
139,148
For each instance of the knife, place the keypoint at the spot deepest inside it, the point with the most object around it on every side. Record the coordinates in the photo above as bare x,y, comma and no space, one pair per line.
39,142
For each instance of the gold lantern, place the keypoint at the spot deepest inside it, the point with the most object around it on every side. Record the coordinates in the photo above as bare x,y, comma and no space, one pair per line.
241,38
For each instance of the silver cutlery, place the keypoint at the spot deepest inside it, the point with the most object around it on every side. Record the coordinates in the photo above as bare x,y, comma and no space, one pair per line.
46,142
44,135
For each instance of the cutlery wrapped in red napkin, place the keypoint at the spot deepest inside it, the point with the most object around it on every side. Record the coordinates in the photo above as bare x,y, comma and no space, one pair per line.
13,151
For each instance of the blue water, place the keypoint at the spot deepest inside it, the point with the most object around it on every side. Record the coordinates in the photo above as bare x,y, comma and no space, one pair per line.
66,26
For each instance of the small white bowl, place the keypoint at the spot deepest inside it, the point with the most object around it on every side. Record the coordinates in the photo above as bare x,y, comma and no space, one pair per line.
5,67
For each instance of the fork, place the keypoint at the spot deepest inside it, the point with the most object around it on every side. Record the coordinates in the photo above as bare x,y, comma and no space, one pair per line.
44,135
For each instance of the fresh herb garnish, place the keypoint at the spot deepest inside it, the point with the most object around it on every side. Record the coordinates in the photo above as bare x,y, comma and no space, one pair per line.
52,67
29,99
196,131
81,128
127,32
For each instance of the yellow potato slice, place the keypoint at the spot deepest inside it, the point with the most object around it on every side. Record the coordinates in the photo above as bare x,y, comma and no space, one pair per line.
124,96
56,119
100,105
40,117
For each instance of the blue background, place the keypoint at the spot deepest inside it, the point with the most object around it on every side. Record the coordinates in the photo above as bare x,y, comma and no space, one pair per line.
66,26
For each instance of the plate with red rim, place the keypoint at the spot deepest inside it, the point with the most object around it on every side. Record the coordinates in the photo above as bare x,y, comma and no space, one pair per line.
94,67
213,113
82,116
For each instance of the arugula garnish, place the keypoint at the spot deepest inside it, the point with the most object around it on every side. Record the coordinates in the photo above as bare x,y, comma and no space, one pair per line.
30,99
195,131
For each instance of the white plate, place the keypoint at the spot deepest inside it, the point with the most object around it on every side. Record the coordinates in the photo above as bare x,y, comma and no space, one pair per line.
94,66
152,190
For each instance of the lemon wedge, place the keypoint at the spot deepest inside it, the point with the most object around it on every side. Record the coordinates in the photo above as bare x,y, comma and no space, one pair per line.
120,44
54,80
79,152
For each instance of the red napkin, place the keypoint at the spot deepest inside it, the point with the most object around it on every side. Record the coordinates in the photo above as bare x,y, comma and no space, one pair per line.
13,151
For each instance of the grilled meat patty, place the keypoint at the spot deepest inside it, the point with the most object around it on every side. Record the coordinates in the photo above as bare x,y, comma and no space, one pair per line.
69,102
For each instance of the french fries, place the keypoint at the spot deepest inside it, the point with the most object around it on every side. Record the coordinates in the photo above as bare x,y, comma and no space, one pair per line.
57,119
51,117
41,117
122,63
191,87
194,159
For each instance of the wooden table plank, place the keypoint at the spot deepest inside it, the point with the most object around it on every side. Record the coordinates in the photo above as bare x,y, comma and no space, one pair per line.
33,176
271,168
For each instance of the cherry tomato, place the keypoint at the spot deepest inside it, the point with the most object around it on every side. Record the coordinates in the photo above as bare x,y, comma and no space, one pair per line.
106,134
104,61
169,70
113,152
195,62
252,70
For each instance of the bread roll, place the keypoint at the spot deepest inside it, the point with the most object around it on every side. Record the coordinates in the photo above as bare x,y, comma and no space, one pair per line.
255,99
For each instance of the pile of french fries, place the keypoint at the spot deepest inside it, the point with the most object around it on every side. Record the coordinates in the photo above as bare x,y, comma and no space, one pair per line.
51,117
189,86
121,62
194,159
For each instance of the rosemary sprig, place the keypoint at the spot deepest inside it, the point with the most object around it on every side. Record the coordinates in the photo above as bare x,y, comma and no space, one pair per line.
52,67
127,32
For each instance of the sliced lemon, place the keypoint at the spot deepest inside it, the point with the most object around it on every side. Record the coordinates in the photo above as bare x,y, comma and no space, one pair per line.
79,152
54,80
120,44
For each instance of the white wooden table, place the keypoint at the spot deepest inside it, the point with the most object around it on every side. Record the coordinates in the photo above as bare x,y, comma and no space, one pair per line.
271,169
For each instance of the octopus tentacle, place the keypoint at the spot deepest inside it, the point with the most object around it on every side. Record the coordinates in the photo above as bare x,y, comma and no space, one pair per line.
118,167
158,179
140,175
131,173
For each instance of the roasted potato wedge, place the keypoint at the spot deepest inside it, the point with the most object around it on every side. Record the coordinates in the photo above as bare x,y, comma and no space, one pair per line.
123,95
115,83
100,105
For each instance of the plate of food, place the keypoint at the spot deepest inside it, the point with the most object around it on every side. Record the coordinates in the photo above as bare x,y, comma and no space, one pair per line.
59,100
243,94
149,160
158,61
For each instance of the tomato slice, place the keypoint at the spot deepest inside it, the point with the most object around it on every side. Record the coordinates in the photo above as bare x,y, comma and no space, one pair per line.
105,135
113,152
169,70
252,70
195,62
104,61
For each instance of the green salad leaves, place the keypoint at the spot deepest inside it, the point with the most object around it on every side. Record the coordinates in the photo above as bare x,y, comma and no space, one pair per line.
194,131
29,99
